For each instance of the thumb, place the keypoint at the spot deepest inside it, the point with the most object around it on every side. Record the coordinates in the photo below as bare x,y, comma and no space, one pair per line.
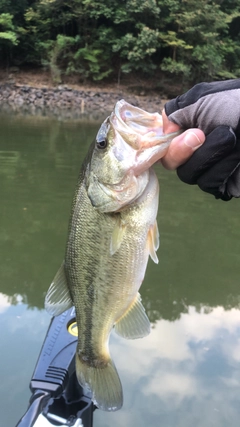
182,147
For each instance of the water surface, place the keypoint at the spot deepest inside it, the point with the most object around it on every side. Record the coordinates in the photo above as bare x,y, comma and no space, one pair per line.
187,371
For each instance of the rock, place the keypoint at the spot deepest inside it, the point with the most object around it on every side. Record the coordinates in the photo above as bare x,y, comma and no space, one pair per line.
19,100
39,94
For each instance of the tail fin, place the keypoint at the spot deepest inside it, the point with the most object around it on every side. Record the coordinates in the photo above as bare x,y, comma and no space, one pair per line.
103,382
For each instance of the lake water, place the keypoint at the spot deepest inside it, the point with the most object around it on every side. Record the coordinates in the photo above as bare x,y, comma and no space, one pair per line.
187,371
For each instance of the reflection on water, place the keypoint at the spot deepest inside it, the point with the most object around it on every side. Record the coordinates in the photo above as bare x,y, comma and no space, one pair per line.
187,371
22,332
39,164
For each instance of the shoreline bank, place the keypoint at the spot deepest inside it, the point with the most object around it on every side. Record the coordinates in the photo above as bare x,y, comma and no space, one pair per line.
65,101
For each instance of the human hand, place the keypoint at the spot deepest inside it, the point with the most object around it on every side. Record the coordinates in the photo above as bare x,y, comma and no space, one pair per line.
211,109
183,146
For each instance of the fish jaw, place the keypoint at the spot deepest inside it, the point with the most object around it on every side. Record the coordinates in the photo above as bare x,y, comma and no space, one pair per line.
140,131
139,128
112,198
140,121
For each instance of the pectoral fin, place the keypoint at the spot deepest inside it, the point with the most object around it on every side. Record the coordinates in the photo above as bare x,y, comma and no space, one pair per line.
134,323
58,298
153,241
117,237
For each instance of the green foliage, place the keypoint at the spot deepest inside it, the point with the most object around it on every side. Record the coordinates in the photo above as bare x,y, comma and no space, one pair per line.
6,24
191,40
9,35
137,49
175,67
54,51
91,62
6,20
198,35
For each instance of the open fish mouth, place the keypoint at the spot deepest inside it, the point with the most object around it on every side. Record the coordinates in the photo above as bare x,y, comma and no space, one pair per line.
137,127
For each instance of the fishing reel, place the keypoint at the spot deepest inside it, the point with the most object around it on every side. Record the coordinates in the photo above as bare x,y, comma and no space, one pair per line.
57,398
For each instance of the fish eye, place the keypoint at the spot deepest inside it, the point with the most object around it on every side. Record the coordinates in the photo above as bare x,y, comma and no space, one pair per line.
101,143
101,138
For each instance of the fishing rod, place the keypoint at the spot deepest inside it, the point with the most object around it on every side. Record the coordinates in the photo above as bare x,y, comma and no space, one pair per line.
57,398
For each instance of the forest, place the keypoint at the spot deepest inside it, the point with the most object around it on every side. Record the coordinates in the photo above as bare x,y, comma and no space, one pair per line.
188,40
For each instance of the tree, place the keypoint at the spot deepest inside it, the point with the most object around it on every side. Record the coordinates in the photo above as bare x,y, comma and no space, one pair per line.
185,39
197,35
8,35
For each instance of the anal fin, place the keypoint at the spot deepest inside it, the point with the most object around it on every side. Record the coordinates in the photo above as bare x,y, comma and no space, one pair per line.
58,298
134,323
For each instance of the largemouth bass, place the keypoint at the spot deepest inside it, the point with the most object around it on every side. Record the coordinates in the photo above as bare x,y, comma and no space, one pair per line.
112,232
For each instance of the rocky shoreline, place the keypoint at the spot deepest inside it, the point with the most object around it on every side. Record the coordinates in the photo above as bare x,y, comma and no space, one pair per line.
66,102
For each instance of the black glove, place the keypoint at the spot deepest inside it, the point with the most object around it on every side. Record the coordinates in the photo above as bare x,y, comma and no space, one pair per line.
214,108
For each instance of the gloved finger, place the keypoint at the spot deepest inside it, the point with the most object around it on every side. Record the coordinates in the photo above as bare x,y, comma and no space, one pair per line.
168,126
233,184
207,106
218,144
215,179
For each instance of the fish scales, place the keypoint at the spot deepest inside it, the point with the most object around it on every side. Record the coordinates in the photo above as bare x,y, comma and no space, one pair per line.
112,232
103,280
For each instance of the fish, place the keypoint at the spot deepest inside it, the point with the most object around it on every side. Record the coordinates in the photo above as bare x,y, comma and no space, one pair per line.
112,232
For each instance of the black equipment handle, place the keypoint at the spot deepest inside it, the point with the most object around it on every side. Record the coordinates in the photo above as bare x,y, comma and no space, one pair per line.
54,386
37,402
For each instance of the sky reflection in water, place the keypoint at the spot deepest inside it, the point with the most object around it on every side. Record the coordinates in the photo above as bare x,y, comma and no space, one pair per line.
187,371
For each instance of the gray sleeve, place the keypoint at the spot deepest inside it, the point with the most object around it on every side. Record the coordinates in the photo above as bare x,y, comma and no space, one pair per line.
207,105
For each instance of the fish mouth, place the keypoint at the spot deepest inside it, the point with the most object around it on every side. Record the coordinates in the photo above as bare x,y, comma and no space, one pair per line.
138,128
139,138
